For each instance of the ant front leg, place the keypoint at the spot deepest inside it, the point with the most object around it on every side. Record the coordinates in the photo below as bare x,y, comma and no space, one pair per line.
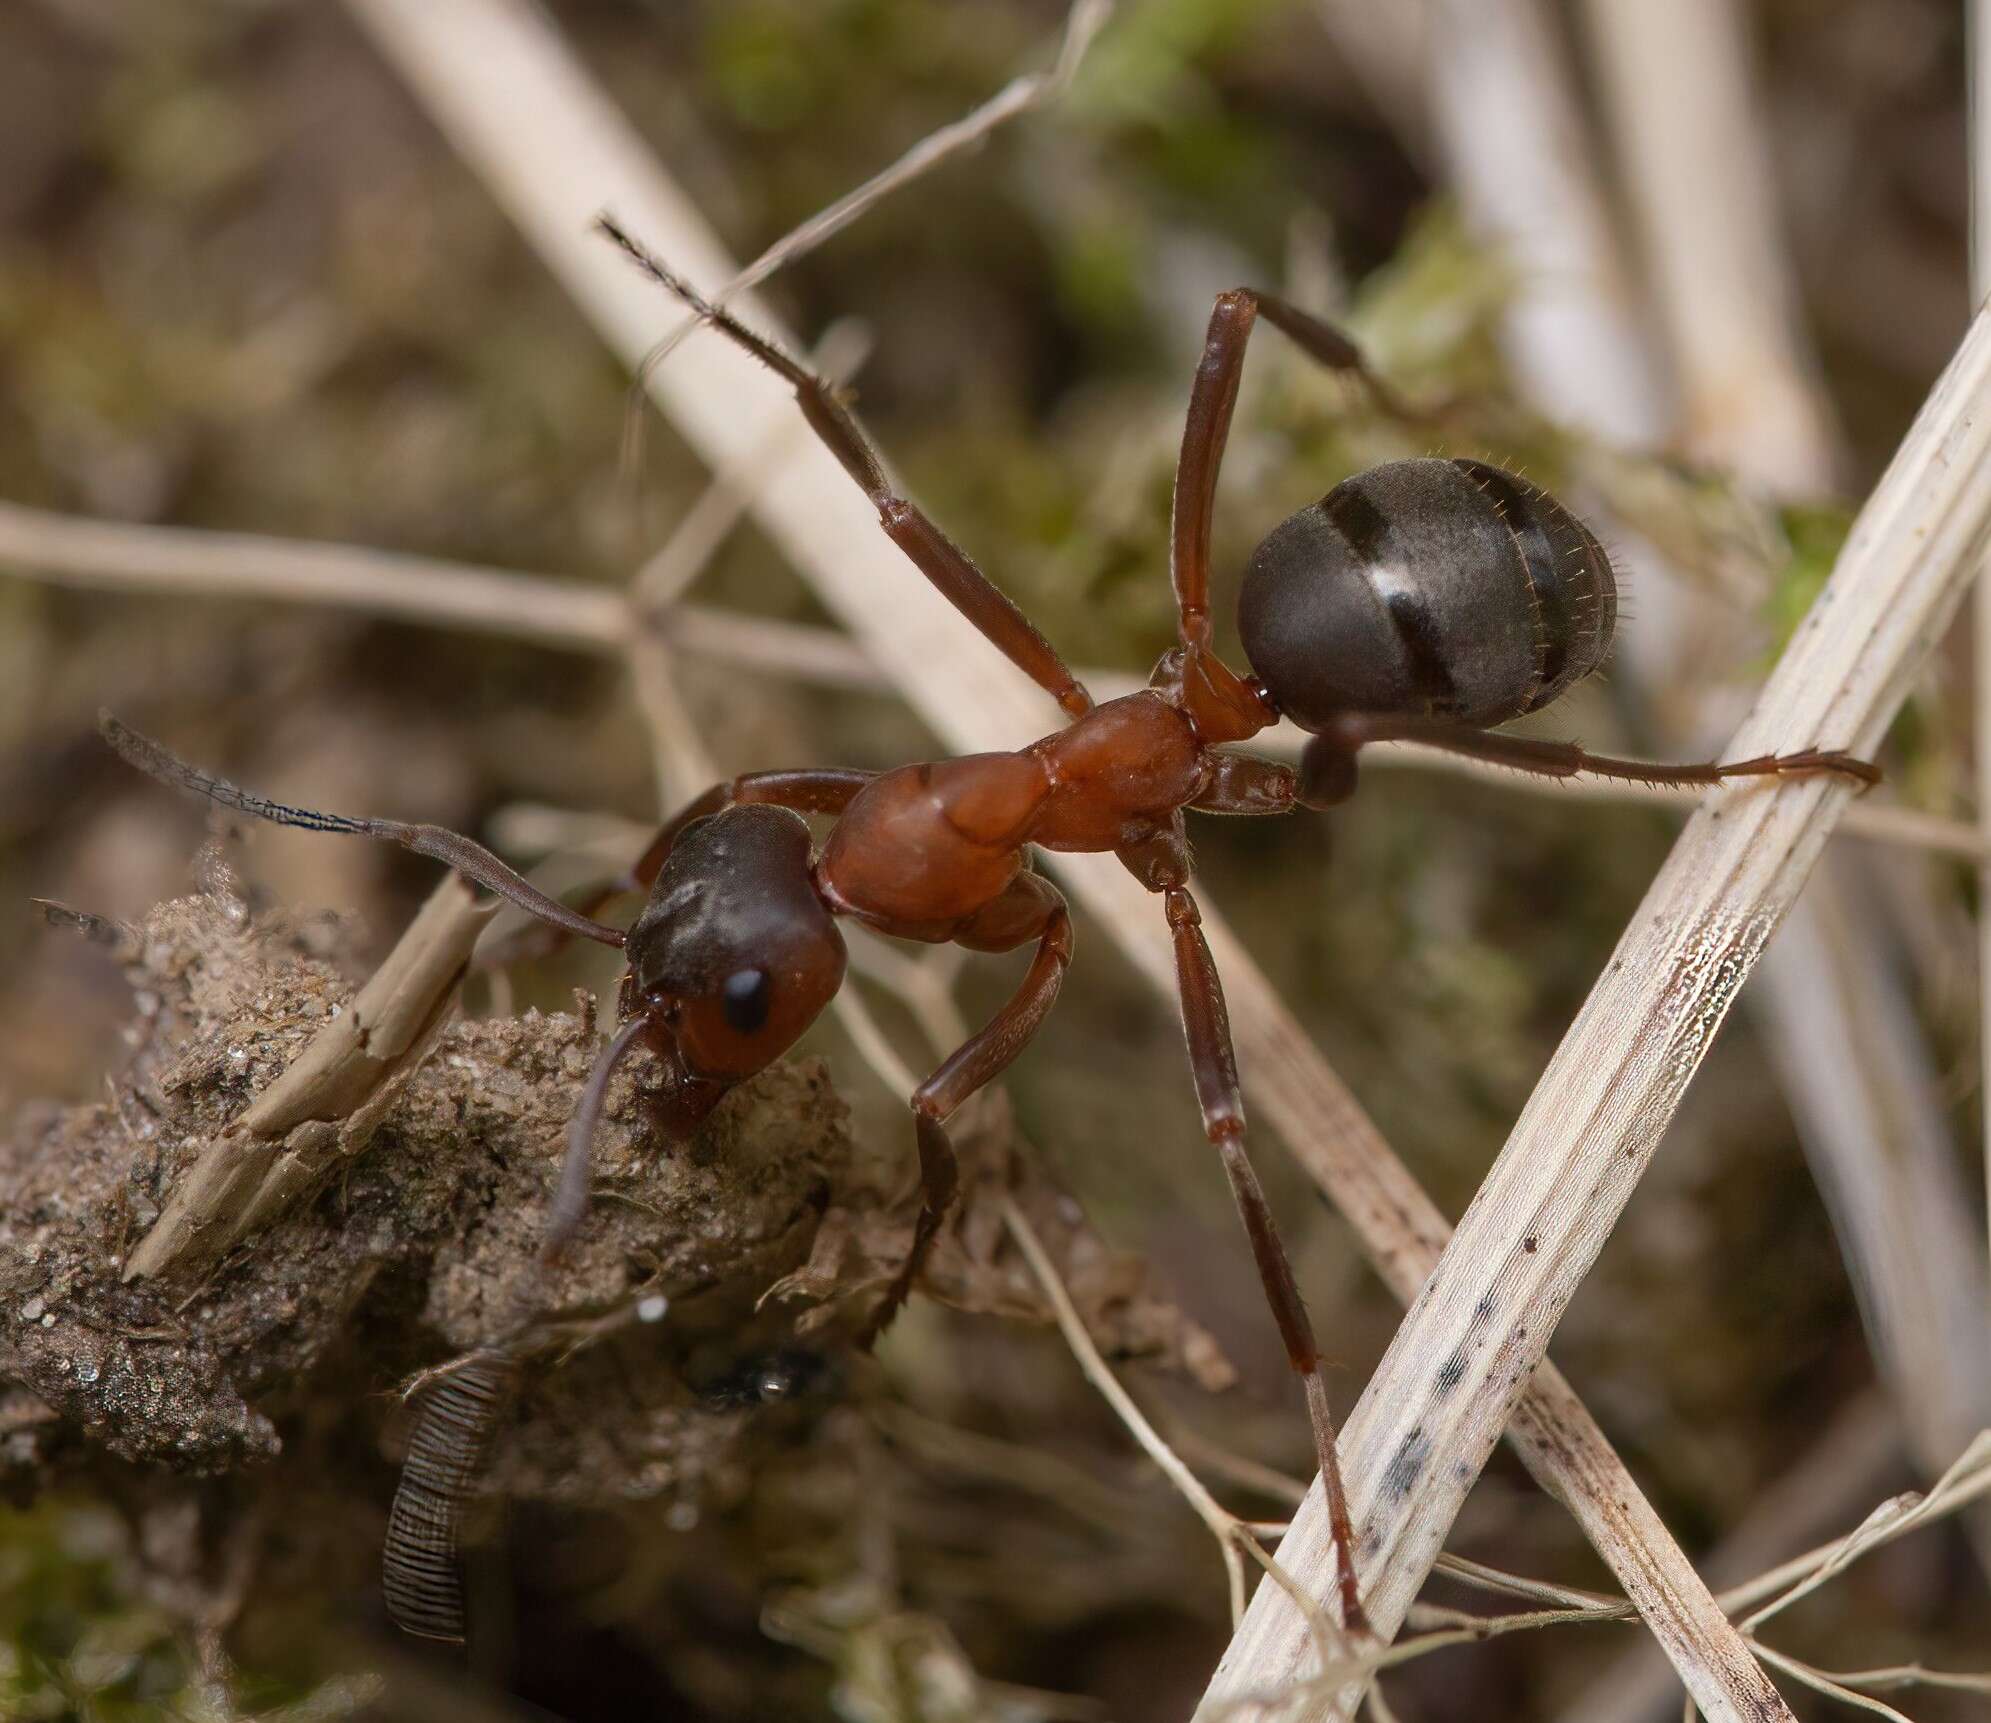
1213,1063
931,551
809,790
1031,908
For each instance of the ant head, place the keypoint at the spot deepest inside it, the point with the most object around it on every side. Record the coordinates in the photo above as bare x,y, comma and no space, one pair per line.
1440,589
734,949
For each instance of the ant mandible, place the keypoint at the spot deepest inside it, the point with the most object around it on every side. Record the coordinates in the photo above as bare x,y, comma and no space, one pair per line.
1425,600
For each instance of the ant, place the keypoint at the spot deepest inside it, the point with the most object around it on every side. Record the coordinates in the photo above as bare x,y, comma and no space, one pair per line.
1427,600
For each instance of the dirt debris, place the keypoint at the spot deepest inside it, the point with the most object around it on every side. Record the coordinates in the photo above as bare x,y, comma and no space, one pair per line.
711,1278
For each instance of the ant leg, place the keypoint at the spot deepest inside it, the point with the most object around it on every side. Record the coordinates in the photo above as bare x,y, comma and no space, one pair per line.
1212,398
979,1061
935,555
467,857
1214,1065
1245,784
1567,759
807,790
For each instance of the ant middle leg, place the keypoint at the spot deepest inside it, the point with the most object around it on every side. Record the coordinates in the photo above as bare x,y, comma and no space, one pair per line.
1213,1063
949,568
1206,430
1031,908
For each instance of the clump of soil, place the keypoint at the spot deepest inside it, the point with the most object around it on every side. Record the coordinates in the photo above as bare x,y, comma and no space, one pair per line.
425,1250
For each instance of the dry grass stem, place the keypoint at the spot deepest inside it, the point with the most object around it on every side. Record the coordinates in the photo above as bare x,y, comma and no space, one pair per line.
1842,1469
1965,1481
330,1099
71,550
1749,397
825,657
1446,1386
487,67
1842,1028
572,615
1440,1628
1515,150
1978,48
873,1045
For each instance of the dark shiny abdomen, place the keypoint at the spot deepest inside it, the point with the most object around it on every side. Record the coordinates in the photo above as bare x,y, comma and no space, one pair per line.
1429,589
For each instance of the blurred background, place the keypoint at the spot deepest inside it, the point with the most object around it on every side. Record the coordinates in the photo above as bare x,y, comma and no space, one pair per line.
246,285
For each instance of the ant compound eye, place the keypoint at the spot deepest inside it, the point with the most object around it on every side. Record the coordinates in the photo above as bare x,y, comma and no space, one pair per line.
746,998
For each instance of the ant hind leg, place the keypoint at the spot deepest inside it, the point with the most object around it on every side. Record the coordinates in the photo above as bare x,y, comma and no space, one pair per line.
1568,760
1213,1063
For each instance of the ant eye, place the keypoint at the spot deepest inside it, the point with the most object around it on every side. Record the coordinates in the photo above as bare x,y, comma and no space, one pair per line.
745,1000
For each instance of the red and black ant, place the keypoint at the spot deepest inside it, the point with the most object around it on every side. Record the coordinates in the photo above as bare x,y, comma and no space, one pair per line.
1426,600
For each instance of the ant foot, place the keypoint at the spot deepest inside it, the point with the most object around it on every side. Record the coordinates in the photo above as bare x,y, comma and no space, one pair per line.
1811,760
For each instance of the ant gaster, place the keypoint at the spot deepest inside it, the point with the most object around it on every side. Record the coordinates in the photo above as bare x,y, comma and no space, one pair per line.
1426,600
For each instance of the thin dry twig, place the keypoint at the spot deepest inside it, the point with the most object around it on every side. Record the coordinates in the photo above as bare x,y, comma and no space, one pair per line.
552,151
1962,1484
330,1099
676,564
72,550
1030,90
1231,1533
570,615
1968,1478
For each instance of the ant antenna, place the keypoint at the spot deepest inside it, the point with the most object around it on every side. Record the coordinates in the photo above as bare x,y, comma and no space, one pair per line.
470,859
570,1199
